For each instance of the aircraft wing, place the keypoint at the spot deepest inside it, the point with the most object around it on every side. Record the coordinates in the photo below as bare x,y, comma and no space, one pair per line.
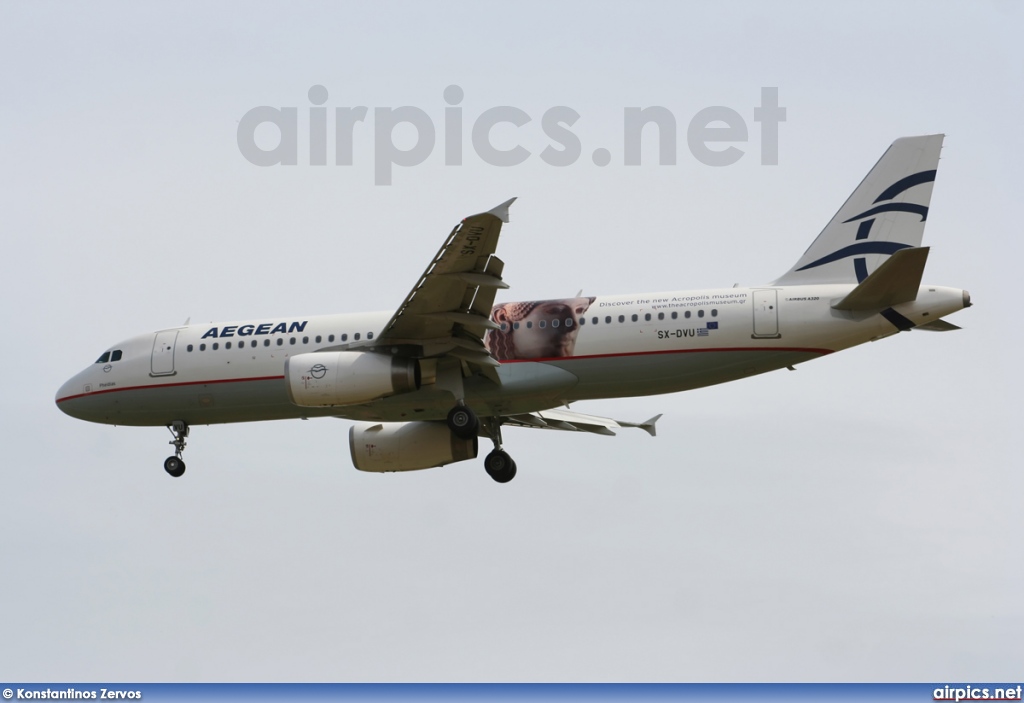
576,422
448,310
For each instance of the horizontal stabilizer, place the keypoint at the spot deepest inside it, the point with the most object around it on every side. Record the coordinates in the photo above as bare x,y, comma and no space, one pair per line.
938,326
895,281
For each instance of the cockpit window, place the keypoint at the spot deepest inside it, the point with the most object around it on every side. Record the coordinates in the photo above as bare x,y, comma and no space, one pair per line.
104,359
115,355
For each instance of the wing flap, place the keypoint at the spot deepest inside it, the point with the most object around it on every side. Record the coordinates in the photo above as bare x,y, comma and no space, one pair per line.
448,310
467,250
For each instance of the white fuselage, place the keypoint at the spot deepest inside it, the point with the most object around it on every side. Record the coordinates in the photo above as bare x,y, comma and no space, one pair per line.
628,345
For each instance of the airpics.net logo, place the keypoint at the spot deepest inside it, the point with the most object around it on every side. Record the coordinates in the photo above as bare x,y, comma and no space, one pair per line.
712,134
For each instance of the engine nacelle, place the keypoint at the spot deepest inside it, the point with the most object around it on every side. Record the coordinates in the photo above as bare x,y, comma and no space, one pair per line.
323,379
406,446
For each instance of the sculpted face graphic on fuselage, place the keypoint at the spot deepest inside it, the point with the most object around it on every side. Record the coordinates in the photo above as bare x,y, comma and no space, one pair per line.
538,329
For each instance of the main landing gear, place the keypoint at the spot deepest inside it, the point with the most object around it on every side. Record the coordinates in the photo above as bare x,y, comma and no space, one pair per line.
498,464
465,424
174,464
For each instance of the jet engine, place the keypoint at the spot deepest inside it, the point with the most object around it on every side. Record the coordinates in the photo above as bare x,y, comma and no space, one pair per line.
406,446
323,379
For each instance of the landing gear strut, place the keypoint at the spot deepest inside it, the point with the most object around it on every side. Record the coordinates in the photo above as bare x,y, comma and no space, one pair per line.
174,464
498,464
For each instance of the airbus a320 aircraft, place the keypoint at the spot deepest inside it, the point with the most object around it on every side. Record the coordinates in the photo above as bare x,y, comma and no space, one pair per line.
450,366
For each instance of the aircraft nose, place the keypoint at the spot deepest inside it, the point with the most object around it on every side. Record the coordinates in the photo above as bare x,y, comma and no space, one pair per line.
66,394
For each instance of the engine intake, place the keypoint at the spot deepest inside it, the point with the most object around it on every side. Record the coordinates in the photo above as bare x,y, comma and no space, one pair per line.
407,446
323,379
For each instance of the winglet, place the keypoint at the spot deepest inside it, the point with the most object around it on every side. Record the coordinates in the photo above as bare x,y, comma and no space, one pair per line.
501,212
647,427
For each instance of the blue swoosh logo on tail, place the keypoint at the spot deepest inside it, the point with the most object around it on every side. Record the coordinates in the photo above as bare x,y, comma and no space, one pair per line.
856,250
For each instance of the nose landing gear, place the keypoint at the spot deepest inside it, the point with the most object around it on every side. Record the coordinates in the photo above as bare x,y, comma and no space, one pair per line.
174,464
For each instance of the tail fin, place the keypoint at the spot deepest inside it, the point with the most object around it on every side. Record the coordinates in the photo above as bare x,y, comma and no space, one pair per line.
886,213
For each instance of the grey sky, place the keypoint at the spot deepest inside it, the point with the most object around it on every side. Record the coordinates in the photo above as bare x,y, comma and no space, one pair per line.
859,519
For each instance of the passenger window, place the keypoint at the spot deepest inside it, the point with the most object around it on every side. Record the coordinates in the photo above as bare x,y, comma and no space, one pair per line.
515,325
190,347
292,340
216,346
355,337
687,315
330,338
202,347
104,358
568,323
675,315
714,313
280,341
266,342
344,337
634,318
305,340
504,326
529,324
647,317
594,320
227,345
661,316
583,321
700,313
318,338
608,320
369,335
543,324
622,318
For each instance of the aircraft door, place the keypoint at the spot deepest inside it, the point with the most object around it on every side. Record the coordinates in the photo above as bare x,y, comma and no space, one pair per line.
766,314
163,353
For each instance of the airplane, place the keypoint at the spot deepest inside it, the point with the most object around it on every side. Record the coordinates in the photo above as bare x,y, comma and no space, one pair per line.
424,383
